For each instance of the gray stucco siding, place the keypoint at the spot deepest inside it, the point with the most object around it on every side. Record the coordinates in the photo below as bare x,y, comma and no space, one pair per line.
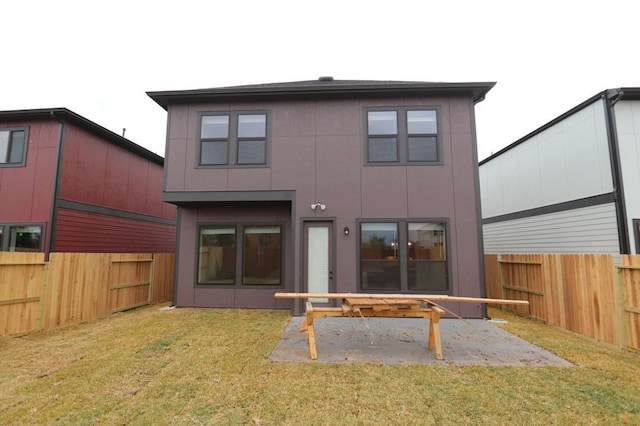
316,152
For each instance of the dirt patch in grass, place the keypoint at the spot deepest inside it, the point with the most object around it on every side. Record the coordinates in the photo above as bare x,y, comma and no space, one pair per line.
210,366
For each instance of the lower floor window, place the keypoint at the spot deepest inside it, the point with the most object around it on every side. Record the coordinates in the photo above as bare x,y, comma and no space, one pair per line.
403,256
21,238
240,254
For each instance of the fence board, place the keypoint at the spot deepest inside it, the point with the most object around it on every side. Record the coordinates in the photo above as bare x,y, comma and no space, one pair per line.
603,295
162,288
75,288
553,289
630,300
521,278
129,281
21,276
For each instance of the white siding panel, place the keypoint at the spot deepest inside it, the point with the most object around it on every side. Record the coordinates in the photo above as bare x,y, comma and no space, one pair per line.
511,186
586,230
554,177
491,190
568,161
628,127
529,177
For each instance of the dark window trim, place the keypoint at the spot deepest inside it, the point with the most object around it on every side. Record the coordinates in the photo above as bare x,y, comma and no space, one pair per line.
6,229
595,200
239,262
233,139
402,240
402,135
636,234
61,203
23,162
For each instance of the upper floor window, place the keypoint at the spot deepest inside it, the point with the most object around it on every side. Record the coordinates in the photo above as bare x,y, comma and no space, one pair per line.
233,139
402,136
12,146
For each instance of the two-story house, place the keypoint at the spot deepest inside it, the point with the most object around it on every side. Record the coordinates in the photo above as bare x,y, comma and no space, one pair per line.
70,185
324,186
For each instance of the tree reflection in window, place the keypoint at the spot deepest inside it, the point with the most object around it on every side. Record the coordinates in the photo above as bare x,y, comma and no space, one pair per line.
217,263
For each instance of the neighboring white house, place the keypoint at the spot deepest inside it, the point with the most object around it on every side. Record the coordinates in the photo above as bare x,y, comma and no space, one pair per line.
571,186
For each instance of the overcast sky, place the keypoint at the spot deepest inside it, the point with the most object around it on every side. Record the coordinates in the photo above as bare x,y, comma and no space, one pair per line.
99,58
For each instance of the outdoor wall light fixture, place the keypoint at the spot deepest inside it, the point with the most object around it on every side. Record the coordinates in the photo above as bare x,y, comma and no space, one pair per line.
346,230
318,204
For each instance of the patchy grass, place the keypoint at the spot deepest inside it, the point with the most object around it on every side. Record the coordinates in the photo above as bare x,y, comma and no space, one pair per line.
210,366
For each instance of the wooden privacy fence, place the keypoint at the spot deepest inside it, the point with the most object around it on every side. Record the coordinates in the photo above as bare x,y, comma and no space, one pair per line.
585,293
75,287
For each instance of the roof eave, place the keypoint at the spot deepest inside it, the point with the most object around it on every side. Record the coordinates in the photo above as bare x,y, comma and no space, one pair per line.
629,93
238,94
64,114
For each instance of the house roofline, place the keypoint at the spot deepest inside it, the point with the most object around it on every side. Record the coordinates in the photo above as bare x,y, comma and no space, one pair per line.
69,116
625,93
321,89
615,95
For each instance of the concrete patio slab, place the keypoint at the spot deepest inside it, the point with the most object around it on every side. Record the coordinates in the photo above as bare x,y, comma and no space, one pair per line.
404,341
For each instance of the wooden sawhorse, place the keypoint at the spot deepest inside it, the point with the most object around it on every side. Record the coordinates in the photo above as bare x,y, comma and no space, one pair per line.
376,307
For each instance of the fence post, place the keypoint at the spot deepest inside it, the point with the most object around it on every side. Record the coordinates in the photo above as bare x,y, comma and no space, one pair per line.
43,294
152,281
108,284
500,279
622,320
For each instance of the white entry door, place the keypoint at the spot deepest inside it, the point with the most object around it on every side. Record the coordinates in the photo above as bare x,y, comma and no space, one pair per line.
318,261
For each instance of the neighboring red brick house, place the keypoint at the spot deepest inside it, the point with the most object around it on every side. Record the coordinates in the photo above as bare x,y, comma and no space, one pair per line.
324,186
70,185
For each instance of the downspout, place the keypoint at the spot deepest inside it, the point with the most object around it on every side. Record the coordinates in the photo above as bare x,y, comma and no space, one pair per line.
476,184
610,98
174,303
53,213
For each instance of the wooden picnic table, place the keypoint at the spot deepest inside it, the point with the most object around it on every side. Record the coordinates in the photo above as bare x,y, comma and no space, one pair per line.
377,306
386,305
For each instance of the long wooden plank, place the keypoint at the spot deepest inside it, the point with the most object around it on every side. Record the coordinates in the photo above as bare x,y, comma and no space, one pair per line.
425,297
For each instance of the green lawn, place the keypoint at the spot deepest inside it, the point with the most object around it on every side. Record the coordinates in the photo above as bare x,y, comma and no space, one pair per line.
210,366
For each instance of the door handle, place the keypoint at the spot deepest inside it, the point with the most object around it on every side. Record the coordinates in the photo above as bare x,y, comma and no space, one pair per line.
330,275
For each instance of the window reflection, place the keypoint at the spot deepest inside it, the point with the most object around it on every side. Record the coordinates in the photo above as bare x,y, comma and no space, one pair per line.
251,152
422,122
215,127
217,262
214,152
262,255
379,260
407,256
12,144
383,149
252,126
382,122
423,148
427,267
25,238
